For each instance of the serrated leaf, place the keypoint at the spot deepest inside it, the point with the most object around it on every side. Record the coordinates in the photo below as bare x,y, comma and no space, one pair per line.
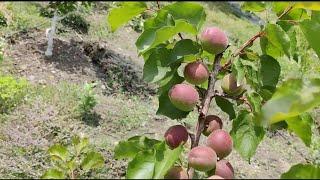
246,135
252,77
127,10
226,106
191,12
238,70
278,38
156,66
58,151
92,160
142,166
310,29
302,171
293,39
184,49
253,6
291,99
268,48
165,159
53,174
129,148
301,126
80,143
152,37
269,72
293,14
256,101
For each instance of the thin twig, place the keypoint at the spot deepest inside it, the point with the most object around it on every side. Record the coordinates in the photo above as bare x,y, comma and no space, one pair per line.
286,11
251,40
240,50
180,35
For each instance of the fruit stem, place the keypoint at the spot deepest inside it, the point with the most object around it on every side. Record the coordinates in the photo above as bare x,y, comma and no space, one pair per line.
205,104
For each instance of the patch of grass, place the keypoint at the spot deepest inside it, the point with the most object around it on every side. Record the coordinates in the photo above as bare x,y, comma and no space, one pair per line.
239,30
12,92
129,113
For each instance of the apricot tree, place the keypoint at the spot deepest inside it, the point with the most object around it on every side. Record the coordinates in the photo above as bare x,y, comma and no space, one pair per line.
252,92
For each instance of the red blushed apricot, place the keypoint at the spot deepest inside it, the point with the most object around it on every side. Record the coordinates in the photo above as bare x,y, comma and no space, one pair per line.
176,172
215,177
202,158
211,124
183,97
176,135
224,169
214,40
221,142
196,73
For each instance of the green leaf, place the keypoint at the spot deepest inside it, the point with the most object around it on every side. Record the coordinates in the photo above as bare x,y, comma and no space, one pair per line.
256,101
127,10
253,6
226,106
301,126
293,39
80,143
293,98
294,14
165,159
252,77
142,166
302,171
152,37
250,55
191,12
184,50
58,151
269,72
278,38
92,160
132,146
269,48
53,174
238,70
246,135
311,29
156,66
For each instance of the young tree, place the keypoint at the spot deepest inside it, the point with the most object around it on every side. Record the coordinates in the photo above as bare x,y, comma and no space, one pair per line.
253,95
60,10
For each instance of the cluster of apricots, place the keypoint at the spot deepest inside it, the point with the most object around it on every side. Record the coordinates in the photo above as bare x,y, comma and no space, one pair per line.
209,157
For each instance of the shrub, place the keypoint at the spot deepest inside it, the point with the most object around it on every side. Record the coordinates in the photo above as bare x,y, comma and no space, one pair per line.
12,92
87,100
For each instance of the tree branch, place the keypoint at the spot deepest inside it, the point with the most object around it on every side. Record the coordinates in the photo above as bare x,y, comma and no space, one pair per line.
240,50
205,104
286,11
251,40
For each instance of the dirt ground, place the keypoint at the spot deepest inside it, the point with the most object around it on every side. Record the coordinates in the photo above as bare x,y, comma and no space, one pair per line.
117,70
